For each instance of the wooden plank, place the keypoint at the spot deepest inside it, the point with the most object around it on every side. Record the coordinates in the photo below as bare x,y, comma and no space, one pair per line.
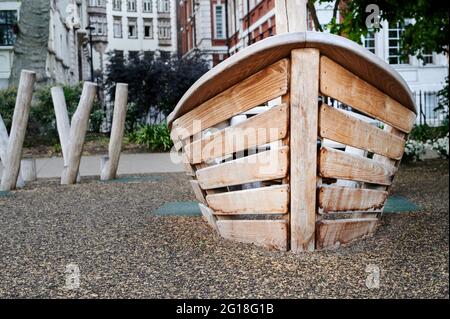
263,200
4,139
198,191
209,217
291,16
341,165
340,127
345,199
333,233
271,234
264,128
257,89
262,166
340,84
304,111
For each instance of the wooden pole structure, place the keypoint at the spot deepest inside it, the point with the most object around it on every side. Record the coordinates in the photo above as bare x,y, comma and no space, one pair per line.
109,170
80,121
291,16
18,130
62,122
4,138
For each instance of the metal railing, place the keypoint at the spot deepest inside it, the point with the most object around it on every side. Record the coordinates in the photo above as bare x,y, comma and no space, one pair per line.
426,103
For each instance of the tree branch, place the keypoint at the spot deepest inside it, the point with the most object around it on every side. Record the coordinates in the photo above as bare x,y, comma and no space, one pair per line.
312,10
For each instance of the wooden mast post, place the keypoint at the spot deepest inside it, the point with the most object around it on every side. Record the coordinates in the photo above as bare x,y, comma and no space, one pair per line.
291,16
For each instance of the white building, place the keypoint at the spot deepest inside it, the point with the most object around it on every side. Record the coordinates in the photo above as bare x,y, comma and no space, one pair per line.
132,27
62,57
9,15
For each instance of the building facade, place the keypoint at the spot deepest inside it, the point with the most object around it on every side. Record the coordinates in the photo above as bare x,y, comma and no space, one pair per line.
46,36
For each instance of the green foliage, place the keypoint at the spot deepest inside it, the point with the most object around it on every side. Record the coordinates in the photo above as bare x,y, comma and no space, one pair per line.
7,103
155,85
429,32
425,133
443,99
156,137
42,122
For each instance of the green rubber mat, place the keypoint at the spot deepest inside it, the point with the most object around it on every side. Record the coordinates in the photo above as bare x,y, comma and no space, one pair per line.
398,204
136,179
395,204
179,209
4,194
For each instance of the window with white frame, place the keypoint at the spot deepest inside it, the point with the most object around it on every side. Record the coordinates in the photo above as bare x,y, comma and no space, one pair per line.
8,20
164,6
99,25
131,5
219,18
369,41
427,58
394,45
148,28
132,28
117,5
164,29
148,6
117,27
97,3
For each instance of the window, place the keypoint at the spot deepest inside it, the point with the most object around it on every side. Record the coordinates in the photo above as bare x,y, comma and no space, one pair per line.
117,5
395,53
164,6
148,28
8,19
98,25
148,7
117,27
132,28
149,55
164,32
165,55
133,55
369,41
97,3
131,5
219,22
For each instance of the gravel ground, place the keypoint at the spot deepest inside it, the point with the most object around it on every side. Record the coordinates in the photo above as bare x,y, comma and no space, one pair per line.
123,251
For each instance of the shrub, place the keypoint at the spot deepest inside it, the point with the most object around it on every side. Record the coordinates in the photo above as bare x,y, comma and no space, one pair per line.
7,103
441,146
156,137
414,150
424,132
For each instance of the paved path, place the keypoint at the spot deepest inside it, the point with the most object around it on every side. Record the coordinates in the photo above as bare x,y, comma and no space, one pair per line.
129,164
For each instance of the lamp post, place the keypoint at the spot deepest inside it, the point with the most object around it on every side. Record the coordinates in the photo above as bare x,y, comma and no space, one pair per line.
90,28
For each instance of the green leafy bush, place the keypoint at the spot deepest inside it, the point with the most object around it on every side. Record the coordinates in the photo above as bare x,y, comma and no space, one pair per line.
42,122
424,132
156,137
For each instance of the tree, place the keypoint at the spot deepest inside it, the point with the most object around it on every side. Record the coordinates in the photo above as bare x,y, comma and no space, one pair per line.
155,85
427,32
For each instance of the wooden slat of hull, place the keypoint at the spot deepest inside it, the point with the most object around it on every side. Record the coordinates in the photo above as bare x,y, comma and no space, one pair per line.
198,192
340,127
273,123
259,88
263,166
209,217
341,165
271,234
264,200
345,199
340,84
333,233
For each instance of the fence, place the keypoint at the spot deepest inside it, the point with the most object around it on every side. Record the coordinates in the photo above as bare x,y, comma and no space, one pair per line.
427,102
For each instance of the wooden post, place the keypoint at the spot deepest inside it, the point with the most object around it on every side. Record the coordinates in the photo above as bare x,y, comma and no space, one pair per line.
28,169
18,130
4,138
304,112
62,122
80,121
109,170
291,16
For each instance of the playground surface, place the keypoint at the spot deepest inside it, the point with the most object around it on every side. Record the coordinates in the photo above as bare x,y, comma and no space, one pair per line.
124,250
